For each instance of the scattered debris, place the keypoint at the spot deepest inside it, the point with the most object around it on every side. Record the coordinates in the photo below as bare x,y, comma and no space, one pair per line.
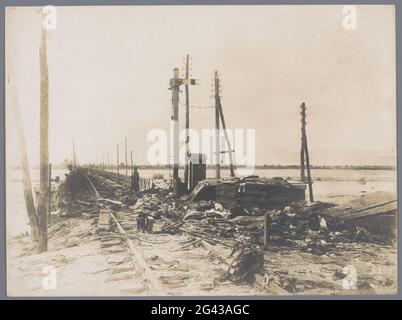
226,213
247,260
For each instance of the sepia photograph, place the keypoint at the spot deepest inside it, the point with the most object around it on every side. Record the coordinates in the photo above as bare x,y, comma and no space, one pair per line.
201,150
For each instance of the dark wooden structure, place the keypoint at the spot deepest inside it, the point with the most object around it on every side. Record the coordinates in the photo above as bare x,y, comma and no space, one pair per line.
249,192
198,168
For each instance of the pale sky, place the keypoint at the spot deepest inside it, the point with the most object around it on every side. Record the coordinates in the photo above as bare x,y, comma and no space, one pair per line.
109,70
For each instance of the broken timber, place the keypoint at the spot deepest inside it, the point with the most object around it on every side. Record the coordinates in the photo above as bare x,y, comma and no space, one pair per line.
26,174
376,212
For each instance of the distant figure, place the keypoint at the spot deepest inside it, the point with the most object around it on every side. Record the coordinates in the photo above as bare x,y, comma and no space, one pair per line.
142,222
135,181
57,179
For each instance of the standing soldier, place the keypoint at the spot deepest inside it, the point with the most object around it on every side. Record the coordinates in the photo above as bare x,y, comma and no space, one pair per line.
135,181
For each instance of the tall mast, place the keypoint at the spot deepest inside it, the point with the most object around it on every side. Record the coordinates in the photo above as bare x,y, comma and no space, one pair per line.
186,170
44,145
217,131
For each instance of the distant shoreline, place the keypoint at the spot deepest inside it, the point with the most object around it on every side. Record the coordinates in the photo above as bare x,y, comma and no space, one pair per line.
260,167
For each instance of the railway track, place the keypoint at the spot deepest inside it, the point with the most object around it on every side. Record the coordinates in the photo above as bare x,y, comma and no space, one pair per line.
162,264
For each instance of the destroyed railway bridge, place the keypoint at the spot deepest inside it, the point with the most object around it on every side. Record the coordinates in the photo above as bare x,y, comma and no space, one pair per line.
217,223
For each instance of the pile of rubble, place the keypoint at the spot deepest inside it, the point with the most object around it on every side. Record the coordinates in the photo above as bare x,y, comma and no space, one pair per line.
83,190
209,224
75,196
312,228
307,228
299,225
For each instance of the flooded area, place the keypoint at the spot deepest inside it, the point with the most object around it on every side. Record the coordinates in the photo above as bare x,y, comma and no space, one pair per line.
329,185
183,262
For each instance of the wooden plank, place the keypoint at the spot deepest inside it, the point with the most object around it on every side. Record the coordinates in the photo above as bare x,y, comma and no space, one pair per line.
367,205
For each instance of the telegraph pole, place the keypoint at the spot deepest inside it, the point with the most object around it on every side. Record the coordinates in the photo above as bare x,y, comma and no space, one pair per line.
49,200
132,166
74,161
229,146
125,145
217,131
305,155
117,158
186,170
44,145
175,84
302,145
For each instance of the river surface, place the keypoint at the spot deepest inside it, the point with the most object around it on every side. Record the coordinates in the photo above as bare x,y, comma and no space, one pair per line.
329,185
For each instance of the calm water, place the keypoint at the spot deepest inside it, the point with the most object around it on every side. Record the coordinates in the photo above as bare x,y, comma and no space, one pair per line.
329,185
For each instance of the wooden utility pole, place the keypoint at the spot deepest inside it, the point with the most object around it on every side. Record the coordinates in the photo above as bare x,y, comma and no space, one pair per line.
304,155
229,146
186,169
50,194
309,180
217,131
132,166
108,162
44,145
125,145
74,160
117,158
26,174
175,84
302,160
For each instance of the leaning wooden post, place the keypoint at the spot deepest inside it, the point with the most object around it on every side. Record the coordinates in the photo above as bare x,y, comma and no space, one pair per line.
309,180
50,194
229,146
117,158
26,174
305,147
125,152
44,145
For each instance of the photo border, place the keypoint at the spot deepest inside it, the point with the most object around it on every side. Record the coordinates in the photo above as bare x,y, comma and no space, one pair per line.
3,275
